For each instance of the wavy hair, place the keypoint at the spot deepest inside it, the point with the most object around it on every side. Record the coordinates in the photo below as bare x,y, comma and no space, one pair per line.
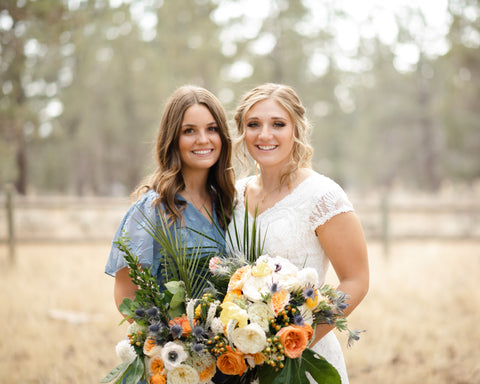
302,150
167,179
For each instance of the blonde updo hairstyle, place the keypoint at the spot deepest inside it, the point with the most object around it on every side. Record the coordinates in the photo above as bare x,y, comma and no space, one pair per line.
302,150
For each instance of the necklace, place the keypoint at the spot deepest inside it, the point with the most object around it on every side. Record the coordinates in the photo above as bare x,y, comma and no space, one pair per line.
201,206
269,192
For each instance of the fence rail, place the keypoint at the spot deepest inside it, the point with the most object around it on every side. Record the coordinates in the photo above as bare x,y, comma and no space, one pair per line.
95,219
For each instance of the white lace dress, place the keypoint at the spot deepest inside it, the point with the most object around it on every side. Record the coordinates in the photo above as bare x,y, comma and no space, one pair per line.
290,225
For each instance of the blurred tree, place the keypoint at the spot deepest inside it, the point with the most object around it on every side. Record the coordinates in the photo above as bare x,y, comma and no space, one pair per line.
111,102
83,83
460,86
29,36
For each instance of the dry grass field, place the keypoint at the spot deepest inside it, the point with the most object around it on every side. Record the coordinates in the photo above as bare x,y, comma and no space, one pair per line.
59,324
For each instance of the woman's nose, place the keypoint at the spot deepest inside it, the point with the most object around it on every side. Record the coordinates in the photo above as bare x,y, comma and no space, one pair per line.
265,132
202,137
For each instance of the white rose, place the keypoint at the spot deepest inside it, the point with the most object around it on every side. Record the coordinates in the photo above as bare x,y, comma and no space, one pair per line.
285,272
216,326
173,355
307,277
255,287
250,339
134,328
259,313
125,351
183,374
264,259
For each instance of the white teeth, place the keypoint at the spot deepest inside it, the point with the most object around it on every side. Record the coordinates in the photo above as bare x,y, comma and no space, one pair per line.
203,152
267,148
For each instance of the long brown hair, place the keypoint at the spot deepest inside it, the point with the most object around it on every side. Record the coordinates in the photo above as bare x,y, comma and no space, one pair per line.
167,179
302,150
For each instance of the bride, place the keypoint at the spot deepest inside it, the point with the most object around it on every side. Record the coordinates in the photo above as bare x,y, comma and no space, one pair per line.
308,216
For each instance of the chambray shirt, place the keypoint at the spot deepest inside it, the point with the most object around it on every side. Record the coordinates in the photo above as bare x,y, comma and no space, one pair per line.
136,222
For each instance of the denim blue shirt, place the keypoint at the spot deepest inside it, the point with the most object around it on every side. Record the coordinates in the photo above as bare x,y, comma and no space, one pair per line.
146,248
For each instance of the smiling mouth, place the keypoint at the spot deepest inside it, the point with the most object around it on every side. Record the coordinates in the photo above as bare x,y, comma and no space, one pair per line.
267,147
202,152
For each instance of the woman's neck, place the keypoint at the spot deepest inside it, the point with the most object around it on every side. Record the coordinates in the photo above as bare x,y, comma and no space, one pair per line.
196,183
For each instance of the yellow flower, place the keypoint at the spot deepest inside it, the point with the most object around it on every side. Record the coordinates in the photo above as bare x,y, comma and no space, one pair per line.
233,311
312,299
232,295
261,269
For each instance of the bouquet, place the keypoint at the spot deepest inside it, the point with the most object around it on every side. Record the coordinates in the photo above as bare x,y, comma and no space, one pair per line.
250,317
269,313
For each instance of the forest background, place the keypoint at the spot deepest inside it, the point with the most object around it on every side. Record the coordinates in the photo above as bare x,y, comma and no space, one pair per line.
392,90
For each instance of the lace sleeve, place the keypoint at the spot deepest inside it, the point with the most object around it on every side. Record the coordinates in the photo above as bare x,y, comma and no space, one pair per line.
331,202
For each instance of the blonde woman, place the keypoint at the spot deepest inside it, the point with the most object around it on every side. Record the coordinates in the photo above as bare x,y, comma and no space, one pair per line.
308,217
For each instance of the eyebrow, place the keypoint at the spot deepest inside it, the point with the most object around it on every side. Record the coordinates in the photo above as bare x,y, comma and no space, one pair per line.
272,118
195,125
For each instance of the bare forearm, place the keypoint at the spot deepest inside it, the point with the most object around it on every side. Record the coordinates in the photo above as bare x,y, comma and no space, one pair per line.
124,287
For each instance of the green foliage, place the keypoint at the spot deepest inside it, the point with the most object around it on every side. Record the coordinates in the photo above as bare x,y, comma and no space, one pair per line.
180,262
295,370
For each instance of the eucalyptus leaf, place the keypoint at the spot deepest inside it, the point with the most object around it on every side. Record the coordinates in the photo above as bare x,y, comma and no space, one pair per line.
126,307
119,369
136,372
177,302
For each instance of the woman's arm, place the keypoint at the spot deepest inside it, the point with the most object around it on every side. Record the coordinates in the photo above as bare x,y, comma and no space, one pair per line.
344,244
124,287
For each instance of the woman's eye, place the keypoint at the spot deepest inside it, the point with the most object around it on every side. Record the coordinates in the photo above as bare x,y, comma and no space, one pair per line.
188,131
279,124
252,125
213,129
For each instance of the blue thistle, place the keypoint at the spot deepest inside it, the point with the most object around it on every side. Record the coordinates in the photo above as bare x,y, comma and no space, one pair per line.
140,312
309,293
198,348
198,332
154,328
298,319
152,312
176,330
275,288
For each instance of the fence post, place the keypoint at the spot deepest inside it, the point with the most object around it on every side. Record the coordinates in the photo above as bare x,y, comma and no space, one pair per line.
385,208
10,222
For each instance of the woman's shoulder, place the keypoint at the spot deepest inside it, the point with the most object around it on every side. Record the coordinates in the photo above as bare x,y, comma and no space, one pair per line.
146,198
321,184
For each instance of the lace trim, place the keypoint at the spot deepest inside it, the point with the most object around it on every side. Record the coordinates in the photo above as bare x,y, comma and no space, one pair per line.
328,205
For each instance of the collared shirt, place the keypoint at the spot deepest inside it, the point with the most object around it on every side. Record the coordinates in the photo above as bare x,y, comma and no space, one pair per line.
136,225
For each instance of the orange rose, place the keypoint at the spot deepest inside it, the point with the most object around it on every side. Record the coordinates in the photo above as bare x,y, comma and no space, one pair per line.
239,277
183,321
307,328
294,339
155,365
259,358
208,373
158,379
280,300
231,362
150,346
